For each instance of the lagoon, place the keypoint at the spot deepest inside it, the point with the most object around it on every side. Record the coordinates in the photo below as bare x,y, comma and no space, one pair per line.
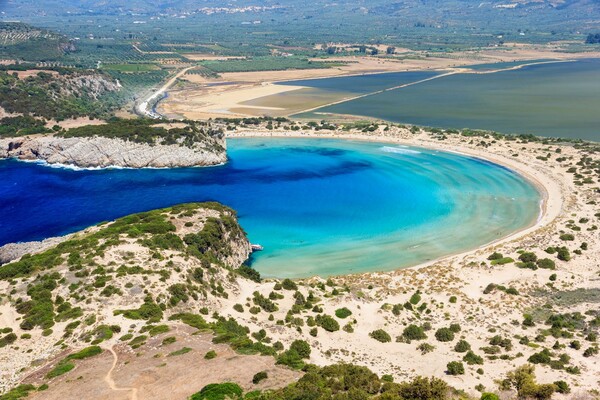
558,99
318,206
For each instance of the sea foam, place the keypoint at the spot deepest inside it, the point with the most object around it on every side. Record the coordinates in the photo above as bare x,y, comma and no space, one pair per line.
399,150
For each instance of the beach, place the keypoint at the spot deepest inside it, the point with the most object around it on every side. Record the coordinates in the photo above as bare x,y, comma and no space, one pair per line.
453,289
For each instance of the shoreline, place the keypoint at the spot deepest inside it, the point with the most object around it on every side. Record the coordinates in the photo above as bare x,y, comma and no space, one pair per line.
551,206
547,202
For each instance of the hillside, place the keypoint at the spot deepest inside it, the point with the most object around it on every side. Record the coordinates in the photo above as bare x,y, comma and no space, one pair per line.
23,42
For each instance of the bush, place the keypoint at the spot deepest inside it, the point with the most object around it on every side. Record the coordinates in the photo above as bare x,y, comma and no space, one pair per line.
489,396
343,313
219,391
210,355
288,284
301,347
414,332
563,254
462,346
327,322
258,377
472,358
415,298
528,257
495,256
452,299
444,335
291,358
60,369
250,273
455,368
238,307
425,348
381,336
454,328
567,237
546,263
562,387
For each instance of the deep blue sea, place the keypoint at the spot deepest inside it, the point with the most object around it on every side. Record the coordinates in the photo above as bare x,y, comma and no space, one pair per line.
318,206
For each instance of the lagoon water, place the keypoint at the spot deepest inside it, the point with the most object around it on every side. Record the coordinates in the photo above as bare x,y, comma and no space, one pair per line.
318,206
559,99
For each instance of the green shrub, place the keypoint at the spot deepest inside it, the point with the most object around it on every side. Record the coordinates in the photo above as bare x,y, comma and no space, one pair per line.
219,391
85,353
381,336
289,284
455,368
415,298
444,335
563,254
452,299
249,272
8,339
60,369
567,237
546,263
562,387
210,355
343,313
462,346
495,256
19,392
414,332
425,348
180,352
327,322
238,307
472,358
489,396
528,257
258,377
502,261
301,347
168,340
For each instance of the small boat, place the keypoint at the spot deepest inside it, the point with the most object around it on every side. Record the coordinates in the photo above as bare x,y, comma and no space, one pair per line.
256,247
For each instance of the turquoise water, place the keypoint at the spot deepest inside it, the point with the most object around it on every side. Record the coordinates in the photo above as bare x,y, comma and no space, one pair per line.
318,206
556,100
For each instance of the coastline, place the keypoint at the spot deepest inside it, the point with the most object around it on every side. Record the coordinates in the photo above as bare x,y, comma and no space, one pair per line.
551,202
454,288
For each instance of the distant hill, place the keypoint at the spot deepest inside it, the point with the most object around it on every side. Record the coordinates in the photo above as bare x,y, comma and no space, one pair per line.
20,41
497,13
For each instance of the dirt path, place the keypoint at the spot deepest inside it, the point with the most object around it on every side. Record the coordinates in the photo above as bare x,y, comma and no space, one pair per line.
111,383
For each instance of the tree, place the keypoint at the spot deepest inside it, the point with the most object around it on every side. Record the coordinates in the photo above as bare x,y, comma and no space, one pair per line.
390,50
593,38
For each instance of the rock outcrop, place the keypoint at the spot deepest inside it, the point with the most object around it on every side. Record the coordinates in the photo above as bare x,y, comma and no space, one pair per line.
105,152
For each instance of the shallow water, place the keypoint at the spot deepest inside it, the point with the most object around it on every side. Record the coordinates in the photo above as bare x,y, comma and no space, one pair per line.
555,99
318,206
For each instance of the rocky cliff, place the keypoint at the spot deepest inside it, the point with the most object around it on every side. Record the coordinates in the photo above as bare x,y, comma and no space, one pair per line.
88,152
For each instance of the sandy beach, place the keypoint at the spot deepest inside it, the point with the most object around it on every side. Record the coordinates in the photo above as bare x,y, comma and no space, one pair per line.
453,289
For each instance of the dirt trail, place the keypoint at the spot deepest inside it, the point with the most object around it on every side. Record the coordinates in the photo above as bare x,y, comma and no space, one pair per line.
111,383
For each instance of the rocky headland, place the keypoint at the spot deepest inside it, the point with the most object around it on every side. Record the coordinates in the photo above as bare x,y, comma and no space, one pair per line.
89,152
